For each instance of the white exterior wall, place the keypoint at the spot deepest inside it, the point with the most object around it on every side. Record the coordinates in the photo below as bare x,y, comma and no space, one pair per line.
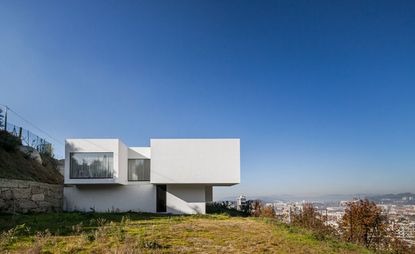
122,163
188,199
139,153
195,161
119,150
138,197
188,167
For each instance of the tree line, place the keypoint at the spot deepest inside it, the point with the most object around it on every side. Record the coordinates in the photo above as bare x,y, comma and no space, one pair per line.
363,223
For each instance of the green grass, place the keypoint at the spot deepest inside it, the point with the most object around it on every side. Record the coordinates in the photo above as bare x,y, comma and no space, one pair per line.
151,233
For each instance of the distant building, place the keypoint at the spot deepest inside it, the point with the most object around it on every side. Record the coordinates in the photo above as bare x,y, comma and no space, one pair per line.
241,203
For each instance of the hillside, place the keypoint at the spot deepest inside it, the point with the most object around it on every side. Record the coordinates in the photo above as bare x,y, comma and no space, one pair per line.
150,233
406,198
15,164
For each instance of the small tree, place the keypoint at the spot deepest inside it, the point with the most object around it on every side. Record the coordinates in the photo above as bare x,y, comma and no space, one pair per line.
256,208
308,217
268,211
311,219
363,223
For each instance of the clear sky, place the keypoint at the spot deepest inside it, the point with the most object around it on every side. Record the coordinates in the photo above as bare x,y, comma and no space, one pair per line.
321,93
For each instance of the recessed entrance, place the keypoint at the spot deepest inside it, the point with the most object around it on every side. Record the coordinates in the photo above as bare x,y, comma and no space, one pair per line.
161,198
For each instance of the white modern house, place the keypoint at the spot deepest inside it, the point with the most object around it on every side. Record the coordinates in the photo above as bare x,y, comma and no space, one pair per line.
170,176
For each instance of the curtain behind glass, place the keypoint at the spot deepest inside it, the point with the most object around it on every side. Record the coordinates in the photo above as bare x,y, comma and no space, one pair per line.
139,170
91,165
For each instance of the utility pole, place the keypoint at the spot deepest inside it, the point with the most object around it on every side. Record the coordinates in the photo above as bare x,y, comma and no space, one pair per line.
5,119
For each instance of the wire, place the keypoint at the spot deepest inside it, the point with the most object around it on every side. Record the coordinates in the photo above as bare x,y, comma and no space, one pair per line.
47,134
33,125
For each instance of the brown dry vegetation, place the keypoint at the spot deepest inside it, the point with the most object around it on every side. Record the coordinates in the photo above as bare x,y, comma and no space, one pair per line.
16,165
147,233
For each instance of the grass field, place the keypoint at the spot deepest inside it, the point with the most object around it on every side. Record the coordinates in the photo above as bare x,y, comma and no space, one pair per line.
150,233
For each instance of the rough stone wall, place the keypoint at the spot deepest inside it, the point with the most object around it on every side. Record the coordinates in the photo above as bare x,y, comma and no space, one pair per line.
18,196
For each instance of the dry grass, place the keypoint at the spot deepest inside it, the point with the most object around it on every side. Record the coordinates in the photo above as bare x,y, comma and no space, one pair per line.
140,233
17,165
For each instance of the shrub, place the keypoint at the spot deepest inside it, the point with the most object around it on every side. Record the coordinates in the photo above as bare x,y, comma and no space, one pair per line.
258,209
309,218
10,236
220,208
9,142
363,223
268,211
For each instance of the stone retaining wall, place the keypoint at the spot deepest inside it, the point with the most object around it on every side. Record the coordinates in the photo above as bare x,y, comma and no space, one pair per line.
18,196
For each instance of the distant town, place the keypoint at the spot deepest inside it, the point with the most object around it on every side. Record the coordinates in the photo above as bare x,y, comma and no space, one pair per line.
399,209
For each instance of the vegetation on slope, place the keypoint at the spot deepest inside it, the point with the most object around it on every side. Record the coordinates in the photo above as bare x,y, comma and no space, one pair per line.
151,233
363,223
15,164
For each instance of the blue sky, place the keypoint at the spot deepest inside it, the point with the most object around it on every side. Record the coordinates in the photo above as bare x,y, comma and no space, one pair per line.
321,93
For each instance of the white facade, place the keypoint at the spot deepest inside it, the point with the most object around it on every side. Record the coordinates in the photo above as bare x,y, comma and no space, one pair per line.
181,174
139,197
190,161
115,146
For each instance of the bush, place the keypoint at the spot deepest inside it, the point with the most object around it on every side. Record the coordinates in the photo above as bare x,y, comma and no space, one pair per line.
220,208
9,142
268,211
312,220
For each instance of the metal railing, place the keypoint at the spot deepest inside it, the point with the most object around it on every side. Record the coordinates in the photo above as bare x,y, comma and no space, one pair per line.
27,137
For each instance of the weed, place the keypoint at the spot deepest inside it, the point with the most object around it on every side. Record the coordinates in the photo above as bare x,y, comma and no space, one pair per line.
10,236
150,233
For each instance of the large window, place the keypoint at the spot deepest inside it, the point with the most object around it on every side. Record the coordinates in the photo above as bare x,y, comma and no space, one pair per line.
91,165
139,170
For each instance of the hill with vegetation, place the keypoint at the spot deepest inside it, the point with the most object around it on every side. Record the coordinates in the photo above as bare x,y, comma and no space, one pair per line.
15,164
152,233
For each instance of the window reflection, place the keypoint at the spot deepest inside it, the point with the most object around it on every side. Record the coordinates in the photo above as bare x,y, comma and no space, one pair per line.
91,165
139,170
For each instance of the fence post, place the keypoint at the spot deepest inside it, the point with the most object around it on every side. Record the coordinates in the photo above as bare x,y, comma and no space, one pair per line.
20,133
5,119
